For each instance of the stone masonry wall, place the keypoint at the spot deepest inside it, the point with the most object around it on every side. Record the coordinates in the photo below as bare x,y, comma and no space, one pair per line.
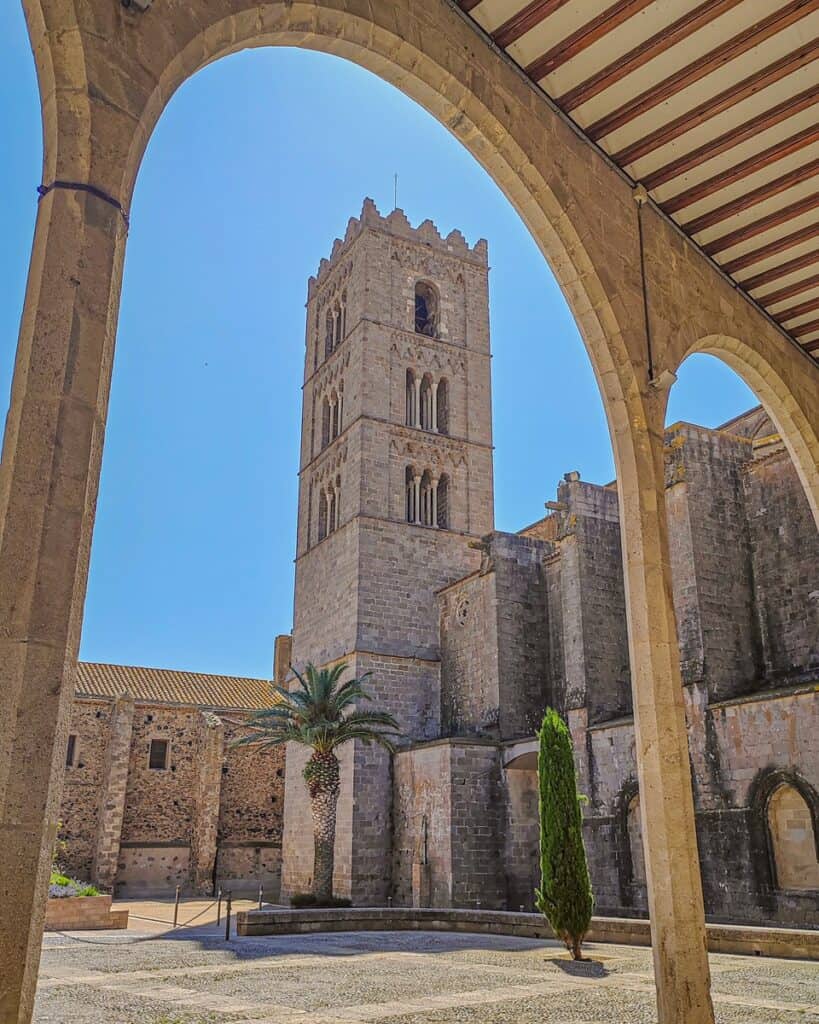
144,830
785,559
710,463
470,701
745,740
80,808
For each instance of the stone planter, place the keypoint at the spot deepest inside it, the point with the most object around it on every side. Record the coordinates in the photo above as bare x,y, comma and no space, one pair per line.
81,913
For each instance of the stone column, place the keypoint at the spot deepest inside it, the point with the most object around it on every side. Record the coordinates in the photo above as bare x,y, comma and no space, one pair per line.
208,796
433,393
417,417
416,490
434,501
678,936
115,785
48,488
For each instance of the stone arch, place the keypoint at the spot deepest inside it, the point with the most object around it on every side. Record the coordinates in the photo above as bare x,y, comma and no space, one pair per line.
442,406
427,309
631,870
798,432
763,841
106,73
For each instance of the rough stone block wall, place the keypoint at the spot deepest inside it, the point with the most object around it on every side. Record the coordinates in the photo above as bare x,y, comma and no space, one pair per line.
400,569
470,701
160,805
710,462
80,808
734,746
422,822
477,820
143,830
521,839
522,630
785,551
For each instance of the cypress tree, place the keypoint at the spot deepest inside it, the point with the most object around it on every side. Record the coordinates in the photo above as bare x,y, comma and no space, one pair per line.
565,894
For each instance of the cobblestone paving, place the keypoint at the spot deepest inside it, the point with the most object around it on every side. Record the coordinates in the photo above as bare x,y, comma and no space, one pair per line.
193,976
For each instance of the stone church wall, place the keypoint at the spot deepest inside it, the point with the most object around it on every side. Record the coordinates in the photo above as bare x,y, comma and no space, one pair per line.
785,550
708,464
211,804
83,783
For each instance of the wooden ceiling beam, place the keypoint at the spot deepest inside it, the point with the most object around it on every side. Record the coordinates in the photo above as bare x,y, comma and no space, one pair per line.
715,59
800,310
748,130
773,249
468,5
811,346
723,101
641,54
757,162
807,259
788,292
757,227
521,23
583,37
803,329
753,198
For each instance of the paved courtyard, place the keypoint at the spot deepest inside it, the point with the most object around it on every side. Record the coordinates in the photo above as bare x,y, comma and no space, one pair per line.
192,976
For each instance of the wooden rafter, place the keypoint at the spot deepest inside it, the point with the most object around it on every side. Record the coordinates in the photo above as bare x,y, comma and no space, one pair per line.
752,198
807,259
641,54
799,58
747,130
583,37
811,346
757,227
757,162
804,307
773,249
771,298
469,5
522,22
704,65
803,329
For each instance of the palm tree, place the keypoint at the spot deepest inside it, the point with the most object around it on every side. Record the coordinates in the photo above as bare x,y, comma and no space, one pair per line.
321,713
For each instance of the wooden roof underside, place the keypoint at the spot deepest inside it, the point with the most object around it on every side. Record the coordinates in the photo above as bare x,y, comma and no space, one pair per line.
713,105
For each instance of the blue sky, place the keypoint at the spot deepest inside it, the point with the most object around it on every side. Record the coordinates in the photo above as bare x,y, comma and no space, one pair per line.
254,168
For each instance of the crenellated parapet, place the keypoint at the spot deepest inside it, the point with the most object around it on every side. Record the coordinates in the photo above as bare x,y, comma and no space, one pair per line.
398,225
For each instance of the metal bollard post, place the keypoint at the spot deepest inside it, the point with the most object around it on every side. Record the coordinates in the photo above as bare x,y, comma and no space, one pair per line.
176,907
389,902
227,916
261,895
219,906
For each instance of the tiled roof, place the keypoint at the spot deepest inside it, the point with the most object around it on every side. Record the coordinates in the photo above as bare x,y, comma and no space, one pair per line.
167,686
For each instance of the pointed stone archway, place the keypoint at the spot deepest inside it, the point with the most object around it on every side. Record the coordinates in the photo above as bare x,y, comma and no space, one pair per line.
106,73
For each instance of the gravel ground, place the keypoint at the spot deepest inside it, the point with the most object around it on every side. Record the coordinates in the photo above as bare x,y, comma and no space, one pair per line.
195,977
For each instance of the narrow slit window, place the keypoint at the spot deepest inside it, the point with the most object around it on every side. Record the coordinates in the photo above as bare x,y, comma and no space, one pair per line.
71,751
158,755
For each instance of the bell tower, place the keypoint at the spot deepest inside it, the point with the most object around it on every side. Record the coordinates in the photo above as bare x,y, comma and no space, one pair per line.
395,481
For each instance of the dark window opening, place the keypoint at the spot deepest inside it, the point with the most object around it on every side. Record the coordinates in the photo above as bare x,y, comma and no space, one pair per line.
158,755
71,751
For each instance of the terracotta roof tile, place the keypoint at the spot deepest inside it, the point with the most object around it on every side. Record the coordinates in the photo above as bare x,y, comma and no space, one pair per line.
168,686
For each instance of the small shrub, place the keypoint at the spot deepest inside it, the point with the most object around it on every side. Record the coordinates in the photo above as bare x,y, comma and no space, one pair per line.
58,879
308,899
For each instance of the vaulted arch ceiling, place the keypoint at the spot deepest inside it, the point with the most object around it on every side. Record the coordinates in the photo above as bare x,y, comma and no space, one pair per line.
713,105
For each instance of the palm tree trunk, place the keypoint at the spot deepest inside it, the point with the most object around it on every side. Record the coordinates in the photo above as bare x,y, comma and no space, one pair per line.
322,776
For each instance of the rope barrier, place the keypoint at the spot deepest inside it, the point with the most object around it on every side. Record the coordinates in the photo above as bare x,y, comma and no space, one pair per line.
138,939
